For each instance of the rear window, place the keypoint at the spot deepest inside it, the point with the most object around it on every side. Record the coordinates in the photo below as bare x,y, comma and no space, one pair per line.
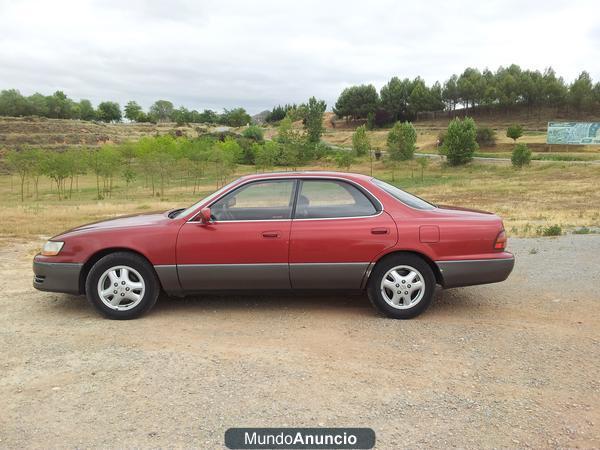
408,199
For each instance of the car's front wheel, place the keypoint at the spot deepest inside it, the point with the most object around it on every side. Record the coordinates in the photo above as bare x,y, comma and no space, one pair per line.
122,286
401,286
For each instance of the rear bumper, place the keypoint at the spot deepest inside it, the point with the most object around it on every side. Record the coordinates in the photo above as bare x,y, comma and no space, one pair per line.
475,271
56,277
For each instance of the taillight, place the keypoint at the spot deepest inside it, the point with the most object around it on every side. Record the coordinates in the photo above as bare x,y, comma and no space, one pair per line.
501,239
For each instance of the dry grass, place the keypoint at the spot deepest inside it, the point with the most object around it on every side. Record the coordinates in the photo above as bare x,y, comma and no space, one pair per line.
527,199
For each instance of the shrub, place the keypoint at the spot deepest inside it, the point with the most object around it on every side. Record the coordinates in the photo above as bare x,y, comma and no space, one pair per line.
552,230
459,142
401,141
521,156
486,137
344,159
514,132
254,132
582,230
360,141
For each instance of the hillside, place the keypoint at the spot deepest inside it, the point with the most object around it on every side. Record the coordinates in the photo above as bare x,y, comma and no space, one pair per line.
64,133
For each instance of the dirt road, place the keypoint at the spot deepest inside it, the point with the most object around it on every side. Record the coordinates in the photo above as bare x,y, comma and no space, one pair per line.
514,364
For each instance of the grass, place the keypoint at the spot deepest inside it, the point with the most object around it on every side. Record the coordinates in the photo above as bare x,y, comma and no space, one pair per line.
530,199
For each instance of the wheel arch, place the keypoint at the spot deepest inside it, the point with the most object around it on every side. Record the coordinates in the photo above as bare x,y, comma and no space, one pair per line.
95,257
439,279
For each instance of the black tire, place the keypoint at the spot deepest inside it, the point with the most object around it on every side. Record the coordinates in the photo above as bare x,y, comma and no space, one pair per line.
136,262
379,272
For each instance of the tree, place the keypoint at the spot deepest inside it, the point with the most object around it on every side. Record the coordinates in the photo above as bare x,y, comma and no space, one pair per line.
224,155
401,141
59,106
471,87
181,115
86,110
236,117
357,102
254,132
161,111
394,98
314,119
460,141
521,156
12,103
266,155
514,132
360,141
344,159
57,168
555,91
208,116
132,111
109,112
38,105
581,93
450,93
423,162
21,162
420,97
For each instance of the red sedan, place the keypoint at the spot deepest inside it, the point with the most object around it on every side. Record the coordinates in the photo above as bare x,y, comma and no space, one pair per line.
280,231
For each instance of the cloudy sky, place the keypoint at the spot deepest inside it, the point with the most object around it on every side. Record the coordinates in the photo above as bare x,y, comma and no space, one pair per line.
221,54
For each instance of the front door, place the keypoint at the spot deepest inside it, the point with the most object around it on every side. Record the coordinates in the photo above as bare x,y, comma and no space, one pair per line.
336,233
247,244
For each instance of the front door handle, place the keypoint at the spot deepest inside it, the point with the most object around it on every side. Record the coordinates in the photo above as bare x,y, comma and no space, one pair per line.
270,234
379,231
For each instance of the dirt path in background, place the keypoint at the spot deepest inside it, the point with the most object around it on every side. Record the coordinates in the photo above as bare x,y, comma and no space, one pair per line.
508,365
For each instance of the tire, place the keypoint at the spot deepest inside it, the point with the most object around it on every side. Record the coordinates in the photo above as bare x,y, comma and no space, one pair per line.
122,286
401,296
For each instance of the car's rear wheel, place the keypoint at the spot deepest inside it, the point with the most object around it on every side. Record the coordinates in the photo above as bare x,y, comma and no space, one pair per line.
401,286
122,286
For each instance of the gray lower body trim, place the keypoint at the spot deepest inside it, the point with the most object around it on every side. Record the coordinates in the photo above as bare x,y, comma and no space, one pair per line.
328,275
167,274
57,277
474,271
198,277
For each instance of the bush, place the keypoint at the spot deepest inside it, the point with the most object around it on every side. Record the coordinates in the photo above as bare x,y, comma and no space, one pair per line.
514,132
401,141
459,142
486,137
254,132
582,230
521,156
552,230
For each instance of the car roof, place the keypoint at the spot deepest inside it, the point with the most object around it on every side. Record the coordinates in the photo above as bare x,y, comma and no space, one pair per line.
308,174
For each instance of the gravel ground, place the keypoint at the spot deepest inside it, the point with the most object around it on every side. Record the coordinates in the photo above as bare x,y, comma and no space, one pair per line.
514,364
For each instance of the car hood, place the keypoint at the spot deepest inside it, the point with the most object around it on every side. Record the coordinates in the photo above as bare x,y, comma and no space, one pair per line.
135,220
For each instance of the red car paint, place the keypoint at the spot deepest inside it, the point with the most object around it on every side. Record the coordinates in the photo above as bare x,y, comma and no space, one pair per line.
440,234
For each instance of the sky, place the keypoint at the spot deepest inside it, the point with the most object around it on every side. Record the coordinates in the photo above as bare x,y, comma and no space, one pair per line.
257,54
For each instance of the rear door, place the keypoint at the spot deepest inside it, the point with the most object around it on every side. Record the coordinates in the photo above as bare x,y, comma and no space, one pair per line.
247,244
337,231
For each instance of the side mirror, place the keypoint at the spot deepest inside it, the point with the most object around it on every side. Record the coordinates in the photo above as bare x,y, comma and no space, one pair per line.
205,216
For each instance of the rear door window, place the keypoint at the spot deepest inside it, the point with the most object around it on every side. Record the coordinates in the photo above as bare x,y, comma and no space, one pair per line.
321,199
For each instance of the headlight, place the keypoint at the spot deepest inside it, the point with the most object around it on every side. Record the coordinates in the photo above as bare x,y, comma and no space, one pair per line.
52,248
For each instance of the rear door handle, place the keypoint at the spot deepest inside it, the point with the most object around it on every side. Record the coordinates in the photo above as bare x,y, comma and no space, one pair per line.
270,234
379,231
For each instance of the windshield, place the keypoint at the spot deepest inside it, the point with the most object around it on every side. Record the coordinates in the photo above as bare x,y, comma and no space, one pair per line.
408,199
192,208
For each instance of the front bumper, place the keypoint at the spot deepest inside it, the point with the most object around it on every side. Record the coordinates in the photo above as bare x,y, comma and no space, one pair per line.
57,277
475,271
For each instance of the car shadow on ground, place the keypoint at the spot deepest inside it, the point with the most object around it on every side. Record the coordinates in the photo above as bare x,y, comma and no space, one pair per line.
444,303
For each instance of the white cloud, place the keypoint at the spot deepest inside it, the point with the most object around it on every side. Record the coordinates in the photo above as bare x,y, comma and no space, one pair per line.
215,54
